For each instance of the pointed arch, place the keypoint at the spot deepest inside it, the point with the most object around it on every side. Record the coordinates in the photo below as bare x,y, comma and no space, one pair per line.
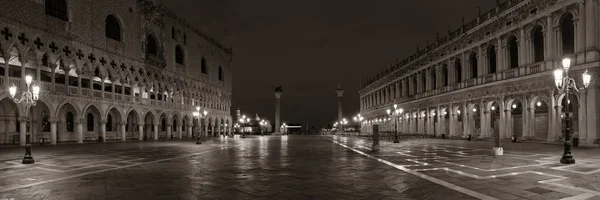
113,27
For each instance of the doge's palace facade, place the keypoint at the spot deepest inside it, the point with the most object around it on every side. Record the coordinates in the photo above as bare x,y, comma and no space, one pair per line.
493,75
115,69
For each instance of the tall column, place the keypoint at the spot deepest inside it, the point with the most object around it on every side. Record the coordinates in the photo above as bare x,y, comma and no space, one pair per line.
53,131
580,31
156,131
212,130
340,92
79,123
465,120
179,131
141,130
169,127
23,131
123,130
278,92
189,131
103,129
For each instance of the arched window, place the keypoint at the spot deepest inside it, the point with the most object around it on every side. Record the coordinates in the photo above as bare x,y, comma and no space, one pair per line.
151,45
69,122
90,122
458,70
433,79
221,78
109,123
423,82
57,8
203,66
513,52
473,63
179,57
445,72
163,124
538,44
112,28
492,59
568,34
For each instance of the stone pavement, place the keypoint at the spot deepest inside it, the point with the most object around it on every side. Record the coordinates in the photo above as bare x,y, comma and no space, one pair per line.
526,171
270,167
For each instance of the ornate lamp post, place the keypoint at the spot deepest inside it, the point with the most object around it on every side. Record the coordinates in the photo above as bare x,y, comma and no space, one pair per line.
236,126
564,85
397,112
358,119
199,115
28,98
284,128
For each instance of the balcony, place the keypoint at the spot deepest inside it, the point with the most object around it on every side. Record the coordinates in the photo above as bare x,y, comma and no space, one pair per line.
156,60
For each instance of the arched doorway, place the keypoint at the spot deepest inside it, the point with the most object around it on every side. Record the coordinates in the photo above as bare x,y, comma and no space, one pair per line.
539,127
131,127
67,124
569,110
91,130
113,117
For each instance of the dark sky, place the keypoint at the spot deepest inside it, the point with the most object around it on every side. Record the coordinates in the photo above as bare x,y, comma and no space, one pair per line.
309,46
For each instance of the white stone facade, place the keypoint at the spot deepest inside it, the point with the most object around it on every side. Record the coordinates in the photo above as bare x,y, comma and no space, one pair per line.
116,69
494,76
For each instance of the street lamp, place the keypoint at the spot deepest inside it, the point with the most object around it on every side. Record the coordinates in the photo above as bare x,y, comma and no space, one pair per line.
564,85
236,126
199,115
28,98
358,118
262,124
397,112
284,128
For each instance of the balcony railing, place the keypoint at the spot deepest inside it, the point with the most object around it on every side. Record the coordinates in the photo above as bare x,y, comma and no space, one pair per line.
62,89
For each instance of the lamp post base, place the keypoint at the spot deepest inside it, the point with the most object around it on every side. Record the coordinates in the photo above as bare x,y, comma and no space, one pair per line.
198,140
567,159
396,140
28,159
498,151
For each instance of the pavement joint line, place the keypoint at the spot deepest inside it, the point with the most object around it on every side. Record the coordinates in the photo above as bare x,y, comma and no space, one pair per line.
421,175
580,196
99,171
551,182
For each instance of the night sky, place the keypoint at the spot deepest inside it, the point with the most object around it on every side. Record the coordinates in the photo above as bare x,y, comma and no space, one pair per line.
309,46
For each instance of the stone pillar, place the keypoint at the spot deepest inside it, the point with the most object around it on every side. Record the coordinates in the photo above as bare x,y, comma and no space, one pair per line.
278,111
169,127
155,131
212,130
465,121
592,113
179,131
103,129
123,130
189,130
340,92
591,31
141,130
23,131
53,132
79,123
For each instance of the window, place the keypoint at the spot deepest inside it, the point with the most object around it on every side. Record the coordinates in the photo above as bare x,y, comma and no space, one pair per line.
179,57
69,122
174,127
173,32
113,29
473,62
538,44
90,122
492,59
568,34
513,49
458,70
57,8
221,73
151,47
445,71
203,66
163,124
